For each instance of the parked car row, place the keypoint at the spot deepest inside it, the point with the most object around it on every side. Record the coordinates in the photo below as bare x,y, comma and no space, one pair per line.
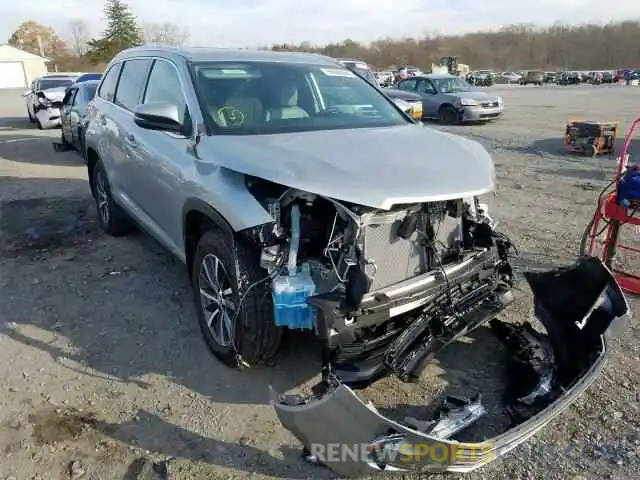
539,77
46,96
445,97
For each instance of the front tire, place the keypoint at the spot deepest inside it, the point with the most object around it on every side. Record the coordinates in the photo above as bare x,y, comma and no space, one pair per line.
449,115
250,334
113,219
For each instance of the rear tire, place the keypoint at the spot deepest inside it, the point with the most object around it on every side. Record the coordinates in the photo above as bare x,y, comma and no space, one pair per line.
449,115
31,119
113,219
253,337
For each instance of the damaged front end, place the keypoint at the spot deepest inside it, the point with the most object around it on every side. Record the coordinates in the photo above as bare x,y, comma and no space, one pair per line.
48,110
383,289
580,307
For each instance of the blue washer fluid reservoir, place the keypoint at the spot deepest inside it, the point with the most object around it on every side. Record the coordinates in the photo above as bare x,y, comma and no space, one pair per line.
290,293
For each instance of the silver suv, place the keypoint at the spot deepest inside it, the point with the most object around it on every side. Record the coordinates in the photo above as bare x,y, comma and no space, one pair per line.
300,196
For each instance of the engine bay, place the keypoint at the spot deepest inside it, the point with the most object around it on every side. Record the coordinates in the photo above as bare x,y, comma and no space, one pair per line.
383,289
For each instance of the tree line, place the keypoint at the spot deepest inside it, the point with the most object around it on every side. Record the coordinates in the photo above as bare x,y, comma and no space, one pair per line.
80,51
514,47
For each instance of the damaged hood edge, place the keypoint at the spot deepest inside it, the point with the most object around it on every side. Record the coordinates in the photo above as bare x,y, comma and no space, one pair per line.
374,167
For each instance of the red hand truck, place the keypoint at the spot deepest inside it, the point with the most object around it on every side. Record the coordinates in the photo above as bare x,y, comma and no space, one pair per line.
614,216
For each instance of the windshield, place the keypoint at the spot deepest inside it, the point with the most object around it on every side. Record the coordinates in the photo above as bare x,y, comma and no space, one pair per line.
263,98
46,83
451,85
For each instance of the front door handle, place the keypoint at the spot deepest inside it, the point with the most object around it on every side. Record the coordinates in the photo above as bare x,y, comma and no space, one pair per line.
131,140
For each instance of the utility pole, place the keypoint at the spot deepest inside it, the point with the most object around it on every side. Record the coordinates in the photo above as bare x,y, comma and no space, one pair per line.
40,46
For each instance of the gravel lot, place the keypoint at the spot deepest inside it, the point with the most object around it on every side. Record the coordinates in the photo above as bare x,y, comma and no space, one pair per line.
104,366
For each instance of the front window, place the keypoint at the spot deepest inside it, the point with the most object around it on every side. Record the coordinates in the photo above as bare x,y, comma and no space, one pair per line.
47,83
263,98
451,85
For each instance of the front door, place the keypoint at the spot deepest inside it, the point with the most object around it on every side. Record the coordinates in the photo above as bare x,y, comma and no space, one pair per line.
162,159
429,94
65,114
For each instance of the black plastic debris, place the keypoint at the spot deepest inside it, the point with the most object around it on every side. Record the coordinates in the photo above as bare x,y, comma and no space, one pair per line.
455,414
530,369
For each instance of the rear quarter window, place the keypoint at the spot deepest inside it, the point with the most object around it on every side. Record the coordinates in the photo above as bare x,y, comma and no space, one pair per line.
108,86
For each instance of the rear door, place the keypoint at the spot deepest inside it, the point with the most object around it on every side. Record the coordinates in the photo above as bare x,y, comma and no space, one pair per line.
124,150
102,125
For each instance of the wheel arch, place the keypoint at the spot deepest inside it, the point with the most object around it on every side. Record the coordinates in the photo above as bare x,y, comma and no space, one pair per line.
91,158
199,217
446,105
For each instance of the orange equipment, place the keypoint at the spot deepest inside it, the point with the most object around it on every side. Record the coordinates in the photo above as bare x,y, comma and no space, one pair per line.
615,209
590,138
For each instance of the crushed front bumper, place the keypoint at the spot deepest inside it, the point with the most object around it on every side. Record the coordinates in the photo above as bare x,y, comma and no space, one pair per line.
580,306
49,117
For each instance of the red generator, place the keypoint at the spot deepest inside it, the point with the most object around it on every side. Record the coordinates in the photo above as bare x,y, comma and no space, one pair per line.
618,206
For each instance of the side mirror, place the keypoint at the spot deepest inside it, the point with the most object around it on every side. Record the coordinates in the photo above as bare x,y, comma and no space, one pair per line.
163,116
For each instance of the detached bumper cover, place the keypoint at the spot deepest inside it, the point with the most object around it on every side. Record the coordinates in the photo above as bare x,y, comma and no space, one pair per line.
353,439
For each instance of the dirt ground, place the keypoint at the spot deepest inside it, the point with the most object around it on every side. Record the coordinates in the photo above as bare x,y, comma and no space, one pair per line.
104,369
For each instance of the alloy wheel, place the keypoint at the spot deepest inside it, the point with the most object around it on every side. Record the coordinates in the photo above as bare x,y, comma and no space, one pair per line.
102,197
216,299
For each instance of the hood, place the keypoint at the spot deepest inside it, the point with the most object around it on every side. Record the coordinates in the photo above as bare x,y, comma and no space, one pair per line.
478,95
375,167
401,94
54,94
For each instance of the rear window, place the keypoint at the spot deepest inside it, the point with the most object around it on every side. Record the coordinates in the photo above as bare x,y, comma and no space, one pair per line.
47,83
89,76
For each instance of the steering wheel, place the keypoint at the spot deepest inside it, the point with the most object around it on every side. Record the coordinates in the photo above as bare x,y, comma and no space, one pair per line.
233,116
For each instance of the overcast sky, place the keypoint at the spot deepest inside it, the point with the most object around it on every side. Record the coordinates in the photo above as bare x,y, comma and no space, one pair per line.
249,23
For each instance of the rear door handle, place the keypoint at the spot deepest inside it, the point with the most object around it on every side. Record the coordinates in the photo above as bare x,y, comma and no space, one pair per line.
131,140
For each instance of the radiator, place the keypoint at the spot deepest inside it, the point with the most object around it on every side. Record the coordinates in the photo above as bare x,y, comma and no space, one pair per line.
390,258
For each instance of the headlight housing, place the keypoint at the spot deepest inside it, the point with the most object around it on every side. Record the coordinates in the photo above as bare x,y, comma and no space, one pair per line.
499,100
468,102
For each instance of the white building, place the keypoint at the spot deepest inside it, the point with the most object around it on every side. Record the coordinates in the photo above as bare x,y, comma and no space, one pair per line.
18,68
